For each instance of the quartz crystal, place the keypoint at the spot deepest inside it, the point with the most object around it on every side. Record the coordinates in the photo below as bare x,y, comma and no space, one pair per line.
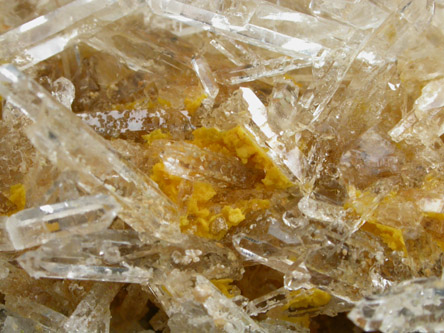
119,256
221,166
92,313
35,226
416,304
62,141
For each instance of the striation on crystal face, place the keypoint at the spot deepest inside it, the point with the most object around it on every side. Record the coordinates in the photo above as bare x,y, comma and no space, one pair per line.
91,257
47,35
119,256
221,166
35,226
205,75
267,26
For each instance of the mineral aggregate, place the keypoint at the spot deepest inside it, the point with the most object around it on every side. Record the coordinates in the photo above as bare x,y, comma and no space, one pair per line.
221,166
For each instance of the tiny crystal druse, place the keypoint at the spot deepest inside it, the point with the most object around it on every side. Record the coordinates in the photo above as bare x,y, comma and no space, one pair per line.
221,166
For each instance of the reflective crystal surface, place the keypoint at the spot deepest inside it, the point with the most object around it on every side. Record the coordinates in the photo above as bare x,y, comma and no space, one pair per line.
35,226
415,304
221,166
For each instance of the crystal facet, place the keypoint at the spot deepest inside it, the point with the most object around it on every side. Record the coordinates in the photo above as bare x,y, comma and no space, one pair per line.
35,226
221,166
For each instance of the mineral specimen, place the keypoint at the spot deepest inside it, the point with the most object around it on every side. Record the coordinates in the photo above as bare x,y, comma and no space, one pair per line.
221,166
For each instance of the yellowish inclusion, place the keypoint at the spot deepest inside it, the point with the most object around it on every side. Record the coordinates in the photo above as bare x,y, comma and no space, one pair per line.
17,195
199,217
389,235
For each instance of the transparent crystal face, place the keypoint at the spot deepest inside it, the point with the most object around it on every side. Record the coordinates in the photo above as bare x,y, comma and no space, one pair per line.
221,166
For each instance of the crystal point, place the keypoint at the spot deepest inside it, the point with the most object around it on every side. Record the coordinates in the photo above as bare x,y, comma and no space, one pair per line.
78,147
35,226
47,35
92,313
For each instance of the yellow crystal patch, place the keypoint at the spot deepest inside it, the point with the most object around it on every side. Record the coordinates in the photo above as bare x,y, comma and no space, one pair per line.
226,287
433,224
155,135
239,143
52,227
302,299
169,184
191,105
389,235
200,217
311,299
233,215
17,195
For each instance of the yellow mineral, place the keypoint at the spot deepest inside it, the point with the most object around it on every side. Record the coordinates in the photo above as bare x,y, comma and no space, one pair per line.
155,135
17,195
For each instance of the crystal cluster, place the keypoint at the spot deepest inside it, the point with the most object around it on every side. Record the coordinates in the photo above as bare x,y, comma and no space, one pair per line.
221,165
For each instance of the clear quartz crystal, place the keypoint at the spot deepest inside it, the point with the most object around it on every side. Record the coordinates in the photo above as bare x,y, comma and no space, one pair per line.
281,297
47,35
361,14
321,211
430,101
214,307
269,301
35,226
64,188
40,314
119,256
234,52
203,71
273,244
376,50
78,147
260,251
193,318
64,91
270,27
5,242
93,312
142,51
91,257
13,17
246,108
414,305
193,163
233,318
266,68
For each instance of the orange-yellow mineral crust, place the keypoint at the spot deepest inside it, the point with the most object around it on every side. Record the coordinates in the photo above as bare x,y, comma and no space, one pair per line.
207,212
